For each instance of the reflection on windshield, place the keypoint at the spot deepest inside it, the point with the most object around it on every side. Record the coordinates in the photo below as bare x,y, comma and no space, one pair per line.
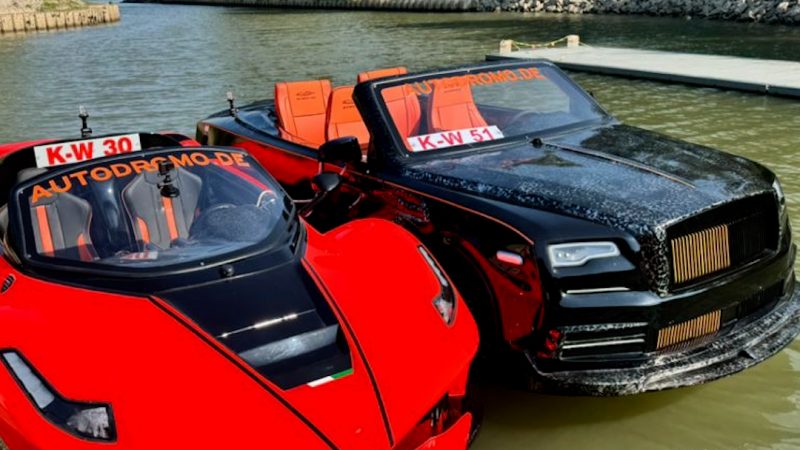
480,107
151,211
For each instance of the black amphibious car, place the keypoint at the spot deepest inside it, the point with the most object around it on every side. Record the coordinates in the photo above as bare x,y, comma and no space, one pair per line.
617,260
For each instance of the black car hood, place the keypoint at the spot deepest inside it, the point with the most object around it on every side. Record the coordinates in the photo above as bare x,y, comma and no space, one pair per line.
620,176
276,320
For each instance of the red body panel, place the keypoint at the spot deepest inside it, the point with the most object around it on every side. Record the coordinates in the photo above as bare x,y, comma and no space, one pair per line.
5,149
168,388
402,335
293,169
172,386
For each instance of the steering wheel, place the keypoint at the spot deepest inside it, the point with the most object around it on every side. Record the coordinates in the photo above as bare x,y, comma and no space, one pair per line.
512,126
267,199
207,213
215,208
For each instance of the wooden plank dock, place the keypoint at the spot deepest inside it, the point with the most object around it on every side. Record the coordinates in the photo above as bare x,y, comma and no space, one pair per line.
763,76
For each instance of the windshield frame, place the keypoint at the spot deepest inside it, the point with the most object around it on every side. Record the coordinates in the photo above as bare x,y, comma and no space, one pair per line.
389,133
22,238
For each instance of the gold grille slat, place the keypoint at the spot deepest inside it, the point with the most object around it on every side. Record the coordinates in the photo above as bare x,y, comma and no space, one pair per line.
691,329
700,253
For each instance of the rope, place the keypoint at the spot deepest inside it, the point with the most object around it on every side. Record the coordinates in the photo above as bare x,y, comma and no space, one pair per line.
517,45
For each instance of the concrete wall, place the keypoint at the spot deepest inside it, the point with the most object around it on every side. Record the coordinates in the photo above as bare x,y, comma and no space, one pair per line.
782,11
42,21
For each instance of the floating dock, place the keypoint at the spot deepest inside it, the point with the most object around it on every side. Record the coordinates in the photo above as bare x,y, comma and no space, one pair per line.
762,76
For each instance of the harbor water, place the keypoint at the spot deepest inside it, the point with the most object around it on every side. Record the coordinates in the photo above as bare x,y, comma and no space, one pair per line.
165,67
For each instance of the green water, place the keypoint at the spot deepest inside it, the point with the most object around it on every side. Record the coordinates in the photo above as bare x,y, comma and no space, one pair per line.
164,67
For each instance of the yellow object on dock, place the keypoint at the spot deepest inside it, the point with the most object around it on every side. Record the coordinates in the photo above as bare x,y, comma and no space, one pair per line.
774,77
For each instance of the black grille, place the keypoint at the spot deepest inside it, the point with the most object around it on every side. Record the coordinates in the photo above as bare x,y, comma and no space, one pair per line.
760,302
748,228
751,236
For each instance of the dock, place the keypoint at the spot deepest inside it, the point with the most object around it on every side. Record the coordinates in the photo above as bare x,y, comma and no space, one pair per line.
772,77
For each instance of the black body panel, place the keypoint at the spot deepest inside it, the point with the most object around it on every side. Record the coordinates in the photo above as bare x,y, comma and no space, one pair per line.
275,319
590,181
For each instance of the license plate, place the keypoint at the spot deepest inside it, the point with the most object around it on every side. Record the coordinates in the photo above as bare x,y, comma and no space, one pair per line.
52,155
453,138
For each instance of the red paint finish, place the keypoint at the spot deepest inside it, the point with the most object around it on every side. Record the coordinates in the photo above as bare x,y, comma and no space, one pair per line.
402,335
167,388
518,291
7,149
289,168
170,385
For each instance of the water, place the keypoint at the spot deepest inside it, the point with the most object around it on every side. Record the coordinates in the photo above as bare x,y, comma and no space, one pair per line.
165,67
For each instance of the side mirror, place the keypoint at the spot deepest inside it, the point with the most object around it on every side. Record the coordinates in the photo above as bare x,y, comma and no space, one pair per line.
326,182
344,150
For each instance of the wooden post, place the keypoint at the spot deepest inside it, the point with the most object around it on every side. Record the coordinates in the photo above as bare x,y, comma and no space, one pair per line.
573,40
19,22
6,24
41,23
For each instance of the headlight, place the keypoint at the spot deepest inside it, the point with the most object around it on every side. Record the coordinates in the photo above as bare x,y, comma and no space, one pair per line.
579,253
85,420
776,185
445,301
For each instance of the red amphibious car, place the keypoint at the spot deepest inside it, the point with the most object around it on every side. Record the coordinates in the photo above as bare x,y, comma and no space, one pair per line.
159,294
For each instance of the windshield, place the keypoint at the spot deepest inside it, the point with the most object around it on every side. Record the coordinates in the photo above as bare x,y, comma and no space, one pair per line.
481,106
149,210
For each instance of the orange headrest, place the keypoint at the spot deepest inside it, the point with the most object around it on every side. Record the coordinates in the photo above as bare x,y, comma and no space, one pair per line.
302,107
305,98
344,118
381,73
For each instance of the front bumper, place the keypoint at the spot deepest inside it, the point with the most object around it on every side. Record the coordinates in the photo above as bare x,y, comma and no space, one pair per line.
745,345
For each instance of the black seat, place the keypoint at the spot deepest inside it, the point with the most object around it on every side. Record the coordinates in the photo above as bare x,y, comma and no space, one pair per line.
61,227
159,220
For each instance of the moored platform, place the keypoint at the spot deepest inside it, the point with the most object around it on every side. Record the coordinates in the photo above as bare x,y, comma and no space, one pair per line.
773,77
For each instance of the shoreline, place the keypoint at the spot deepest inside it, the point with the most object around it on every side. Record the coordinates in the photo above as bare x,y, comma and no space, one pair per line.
17,22
765,11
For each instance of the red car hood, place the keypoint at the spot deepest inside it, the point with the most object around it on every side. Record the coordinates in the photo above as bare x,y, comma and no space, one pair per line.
385,291
169,382
167,387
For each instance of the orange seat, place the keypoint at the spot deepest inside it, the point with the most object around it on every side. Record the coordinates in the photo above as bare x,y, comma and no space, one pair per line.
401,102
344,118
381,73
302,107
452,106
403,105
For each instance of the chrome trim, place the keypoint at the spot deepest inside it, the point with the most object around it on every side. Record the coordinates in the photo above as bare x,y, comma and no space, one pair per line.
603,343
597,290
